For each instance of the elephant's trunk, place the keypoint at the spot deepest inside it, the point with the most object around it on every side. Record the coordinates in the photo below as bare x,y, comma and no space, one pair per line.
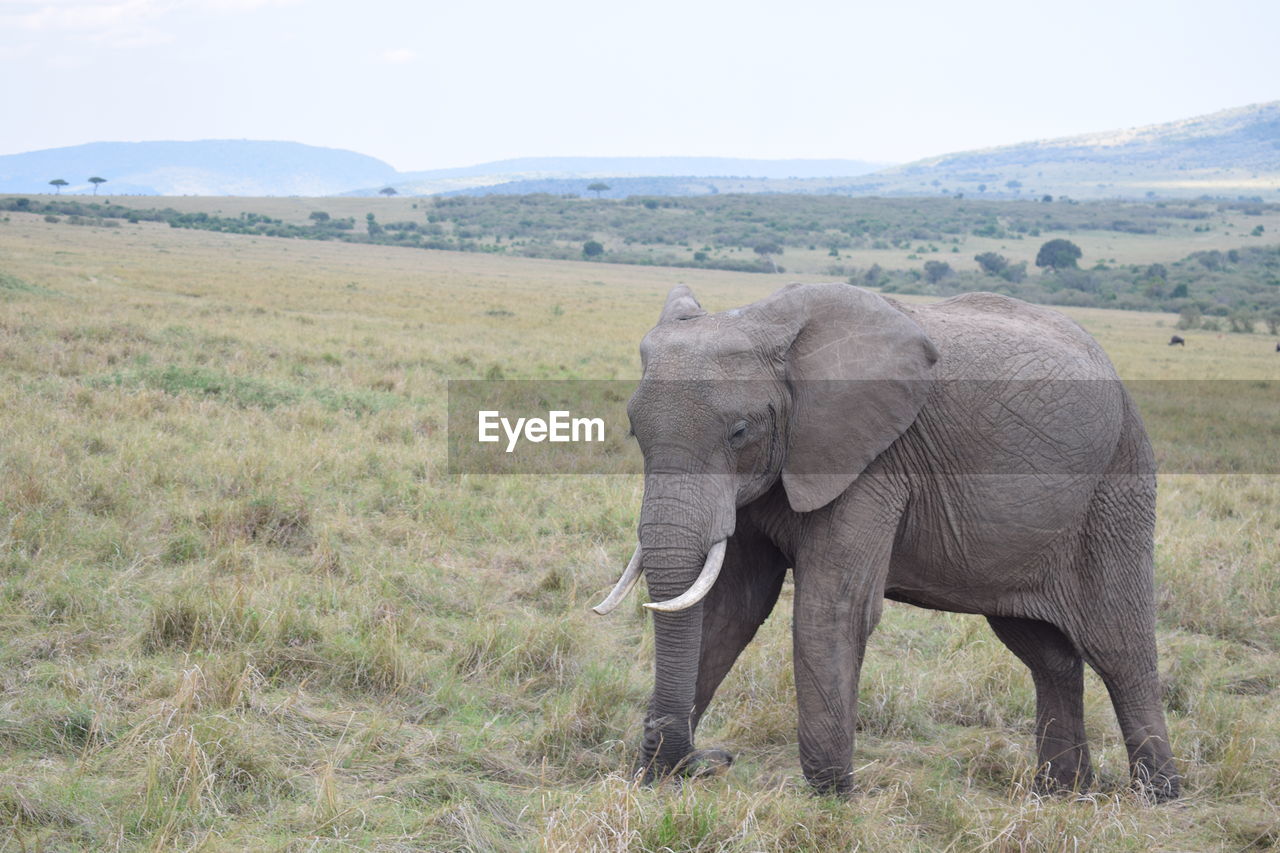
684,519
700,587
677,640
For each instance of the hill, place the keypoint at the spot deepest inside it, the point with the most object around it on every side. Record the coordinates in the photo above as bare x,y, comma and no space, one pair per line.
565,175
1228,153
1234,154
206,167
241,167
655,185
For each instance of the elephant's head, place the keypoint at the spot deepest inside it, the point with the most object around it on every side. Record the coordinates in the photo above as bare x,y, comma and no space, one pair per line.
807,386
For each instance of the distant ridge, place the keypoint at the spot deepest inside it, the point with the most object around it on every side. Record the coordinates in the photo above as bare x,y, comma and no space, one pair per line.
634,167
1231,153
206,167
666,185
673,173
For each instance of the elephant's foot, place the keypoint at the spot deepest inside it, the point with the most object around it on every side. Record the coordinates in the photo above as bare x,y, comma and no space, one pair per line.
698,764
1158,786
1060,779
832,783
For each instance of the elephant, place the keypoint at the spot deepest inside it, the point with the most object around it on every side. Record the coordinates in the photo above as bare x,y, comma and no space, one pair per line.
977,455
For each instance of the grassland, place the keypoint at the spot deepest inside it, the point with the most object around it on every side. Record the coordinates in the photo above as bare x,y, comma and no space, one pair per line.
243,605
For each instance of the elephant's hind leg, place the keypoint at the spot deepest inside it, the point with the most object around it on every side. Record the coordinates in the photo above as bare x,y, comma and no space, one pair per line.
1115,631
1058,673
1127,665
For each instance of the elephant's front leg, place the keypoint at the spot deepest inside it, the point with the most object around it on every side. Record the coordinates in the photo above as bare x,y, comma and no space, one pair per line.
839,596
736,607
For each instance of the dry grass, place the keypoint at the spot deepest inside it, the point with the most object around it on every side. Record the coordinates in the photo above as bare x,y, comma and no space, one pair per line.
242,605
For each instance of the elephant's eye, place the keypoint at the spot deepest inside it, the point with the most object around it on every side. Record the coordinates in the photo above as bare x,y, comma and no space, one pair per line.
739,433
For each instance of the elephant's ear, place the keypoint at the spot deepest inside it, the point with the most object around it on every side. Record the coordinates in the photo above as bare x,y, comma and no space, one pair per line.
681,305
859,373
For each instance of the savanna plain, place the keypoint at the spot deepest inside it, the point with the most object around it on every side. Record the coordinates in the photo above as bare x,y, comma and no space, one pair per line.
244,604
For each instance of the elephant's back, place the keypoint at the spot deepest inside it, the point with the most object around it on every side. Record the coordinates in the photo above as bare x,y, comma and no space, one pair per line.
990,336
1018,382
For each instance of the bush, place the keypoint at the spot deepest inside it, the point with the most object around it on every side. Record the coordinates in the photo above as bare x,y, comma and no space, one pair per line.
992,263
592,249
1015,273
1188,318
936,271
1241,321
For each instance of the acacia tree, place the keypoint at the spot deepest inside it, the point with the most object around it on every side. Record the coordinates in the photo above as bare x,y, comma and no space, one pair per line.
597,188
59,183
767,250
389,191
1058,254
95,181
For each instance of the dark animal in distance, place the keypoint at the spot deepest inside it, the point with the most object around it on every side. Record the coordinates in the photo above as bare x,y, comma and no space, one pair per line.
1176,340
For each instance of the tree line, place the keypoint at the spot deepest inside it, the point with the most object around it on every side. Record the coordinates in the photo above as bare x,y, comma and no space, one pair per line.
696,232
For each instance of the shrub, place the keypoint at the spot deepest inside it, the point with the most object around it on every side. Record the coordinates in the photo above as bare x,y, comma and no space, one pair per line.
936,271
1188,318
992,263
1241,321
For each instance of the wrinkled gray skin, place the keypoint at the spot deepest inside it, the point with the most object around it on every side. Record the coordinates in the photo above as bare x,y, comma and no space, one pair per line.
1030,503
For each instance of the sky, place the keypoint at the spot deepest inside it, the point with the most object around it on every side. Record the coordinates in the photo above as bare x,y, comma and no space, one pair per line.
426,85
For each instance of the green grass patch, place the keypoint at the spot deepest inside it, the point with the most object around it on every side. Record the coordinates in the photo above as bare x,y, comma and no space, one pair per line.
246,392
12,287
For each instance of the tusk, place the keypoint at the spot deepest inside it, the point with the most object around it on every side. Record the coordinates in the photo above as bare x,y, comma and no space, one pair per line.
624,585
700,588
